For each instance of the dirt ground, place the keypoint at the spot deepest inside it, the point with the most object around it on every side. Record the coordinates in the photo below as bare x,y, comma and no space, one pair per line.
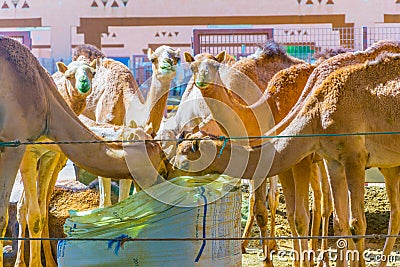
377,214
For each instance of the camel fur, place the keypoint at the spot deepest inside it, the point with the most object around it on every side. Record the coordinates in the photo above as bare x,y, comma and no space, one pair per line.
116,99
32,109
370,92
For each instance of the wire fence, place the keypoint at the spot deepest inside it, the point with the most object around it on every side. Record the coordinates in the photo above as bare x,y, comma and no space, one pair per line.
17,143
126,239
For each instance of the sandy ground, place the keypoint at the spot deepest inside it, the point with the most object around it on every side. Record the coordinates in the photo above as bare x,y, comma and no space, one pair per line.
376,204
377,215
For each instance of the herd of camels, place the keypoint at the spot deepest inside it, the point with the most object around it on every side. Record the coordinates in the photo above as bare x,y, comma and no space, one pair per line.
268,93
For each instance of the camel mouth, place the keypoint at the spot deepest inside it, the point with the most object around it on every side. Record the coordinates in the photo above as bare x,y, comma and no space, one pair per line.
167,68
83,87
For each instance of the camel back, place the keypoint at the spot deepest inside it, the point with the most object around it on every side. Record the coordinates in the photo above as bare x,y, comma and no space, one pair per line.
25,63
331,65
373,86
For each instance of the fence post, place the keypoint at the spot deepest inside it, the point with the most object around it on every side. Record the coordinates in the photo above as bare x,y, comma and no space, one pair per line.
364,37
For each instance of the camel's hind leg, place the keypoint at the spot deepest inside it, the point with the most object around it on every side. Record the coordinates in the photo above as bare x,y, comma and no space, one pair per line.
22,211
105,192
34,218
273,200
289,193
326,208
301,174
316,209
355,175
50,165
10,159
392,181
261,215
250,217
341,206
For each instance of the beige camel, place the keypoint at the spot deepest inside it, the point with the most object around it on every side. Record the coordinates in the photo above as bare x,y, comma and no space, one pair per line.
192,111
115,91
356,98
32,108
42,164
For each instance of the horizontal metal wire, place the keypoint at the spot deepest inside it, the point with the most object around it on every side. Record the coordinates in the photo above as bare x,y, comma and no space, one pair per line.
373,236
17,143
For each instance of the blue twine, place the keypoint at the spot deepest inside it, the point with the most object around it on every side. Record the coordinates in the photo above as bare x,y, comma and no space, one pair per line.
222,138
120,240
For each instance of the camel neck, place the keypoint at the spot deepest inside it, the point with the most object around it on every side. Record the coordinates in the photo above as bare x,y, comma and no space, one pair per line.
157,101
64,125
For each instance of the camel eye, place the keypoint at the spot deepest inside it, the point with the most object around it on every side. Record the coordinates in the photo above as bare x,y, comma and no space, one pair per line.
195,145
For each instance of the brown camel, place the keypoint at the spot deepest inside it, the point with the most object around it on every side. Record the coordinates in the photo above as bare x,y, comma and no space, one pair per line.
32,109
259,67
283,90
116,95
370,92
42,164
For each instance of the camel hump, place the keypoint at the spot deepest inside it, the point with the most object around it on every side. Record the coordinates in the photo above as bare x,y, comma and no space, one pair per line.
20,57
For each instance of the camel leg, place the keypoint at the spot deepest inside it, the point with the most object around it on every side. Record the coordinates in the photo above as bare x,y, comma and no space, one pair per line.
10,159
22,210
124,189
316,208
287,182
392,189
34,218
355,175
273,201
250,217
326,208
261,215
105,192
301,174
50,166
341,216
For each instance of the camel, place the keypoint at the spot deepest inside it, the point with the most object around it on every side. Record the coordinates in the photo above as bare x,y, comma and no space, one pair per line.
43,163
285,87
115,94
370,91
32,109
251,116
281,94
259,67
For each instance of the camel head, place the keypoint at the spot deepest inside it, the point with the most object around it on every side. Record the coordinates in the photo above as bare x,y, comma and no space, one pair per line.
80,75
205,68
164,60
198,154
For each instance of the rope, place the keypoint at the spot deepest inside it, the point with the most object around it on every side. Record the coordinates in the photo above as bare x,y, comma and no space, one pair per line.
126,238
17,143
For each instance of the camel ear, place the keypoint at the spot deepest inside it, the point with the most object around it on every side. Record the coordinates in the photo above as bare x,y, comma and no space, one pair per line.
132,124
93,64
196,129
221,56
149,128
188,57
150,52
61,67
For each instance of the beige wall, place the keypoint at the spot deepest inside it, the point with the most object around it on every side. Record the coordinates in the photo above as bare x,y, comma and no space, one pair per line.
62,19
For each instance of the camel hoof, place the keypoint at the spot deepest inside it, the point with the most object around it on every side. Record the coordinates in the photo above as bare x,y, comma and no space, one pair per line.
244,250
